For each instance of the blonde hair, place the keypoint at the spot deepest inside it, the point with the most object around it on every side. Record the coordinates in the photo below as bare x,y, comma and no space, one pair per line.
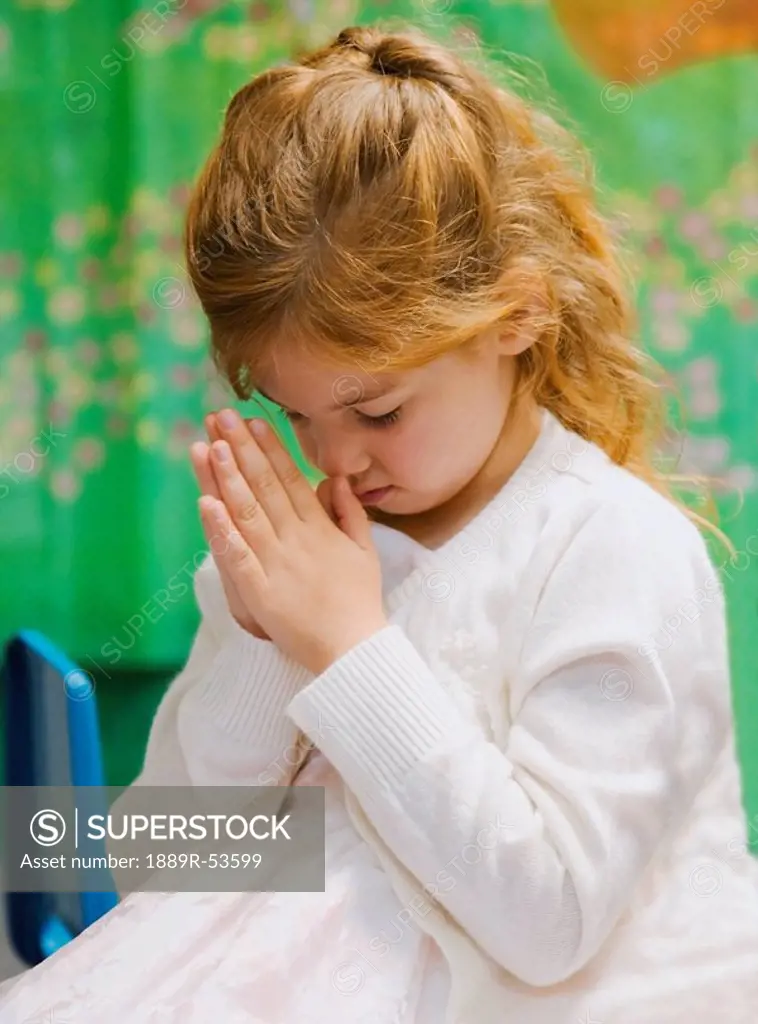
383,201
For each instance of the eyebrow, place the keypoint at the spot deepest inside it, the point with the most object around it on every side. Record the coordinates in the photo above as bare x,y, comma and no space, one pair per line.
368,395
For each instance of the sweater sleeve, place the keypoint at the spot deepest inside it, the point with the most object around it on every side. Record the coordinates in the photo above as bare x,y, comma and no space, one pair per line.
535,848
222,721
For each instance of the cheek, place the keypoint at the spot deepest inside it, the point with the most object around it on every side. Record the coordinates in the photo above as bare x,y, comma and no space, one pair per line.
444,448
415,452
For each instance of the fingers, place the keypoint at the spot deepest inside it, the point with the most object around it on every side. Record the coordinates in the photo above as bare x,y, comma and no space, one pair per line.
271,473
201,460
218,538
234,556
324,495
212,427
201,464
220,535
217,541
244,507
301,492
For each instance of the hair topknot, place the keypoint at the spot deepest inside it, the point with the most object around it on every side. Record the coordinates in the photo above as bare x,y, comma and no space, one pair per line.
384,200
363,39
392,54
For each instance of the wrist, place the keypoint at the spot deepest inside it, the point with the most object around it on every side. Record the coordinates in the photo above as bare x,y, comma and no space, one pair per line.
327,654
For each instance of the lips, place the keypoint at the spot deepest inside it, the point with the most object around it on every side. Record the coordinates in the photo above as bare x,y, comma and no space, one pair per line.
369,497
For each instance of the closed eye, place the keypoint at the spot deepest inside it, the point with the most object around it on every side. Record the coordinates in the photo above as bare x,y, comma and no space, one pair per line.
382,421
385,420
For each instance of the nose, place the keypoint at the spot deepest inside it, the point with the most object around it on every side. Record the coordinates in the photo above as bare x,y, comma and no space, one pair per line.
340,453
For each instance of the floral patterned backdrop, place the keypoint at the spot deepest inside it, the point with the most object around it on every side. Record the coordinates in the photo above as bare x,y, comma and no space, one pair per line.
108,110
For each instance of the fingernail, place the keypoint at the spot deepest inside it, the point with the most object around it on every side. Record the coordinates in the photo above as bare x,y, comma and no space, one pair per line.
227,419
258,427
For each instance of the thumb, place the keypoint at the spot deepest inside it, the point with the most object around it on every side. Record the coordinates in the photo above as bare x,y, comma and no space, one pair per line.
351,515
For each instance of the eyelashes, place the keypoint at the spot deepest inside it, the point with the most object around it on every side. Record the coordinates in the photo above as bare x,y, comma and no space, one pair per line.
385,420
382,421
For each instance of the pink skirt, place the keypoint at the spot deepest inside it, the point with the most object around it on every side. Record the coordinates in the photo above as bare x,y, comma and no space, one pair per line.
347,955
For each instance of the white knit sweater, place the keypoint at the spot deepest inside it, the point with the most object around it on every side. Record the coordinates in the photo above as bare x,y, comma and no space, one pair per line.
539,747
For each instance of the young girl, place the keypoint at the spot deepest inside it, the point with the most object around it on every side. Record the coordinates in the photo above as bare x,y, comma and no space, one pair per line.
493,635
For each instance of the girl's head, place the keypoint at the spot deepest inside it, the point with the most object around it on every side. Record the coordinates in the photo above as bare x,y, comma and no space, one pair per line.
383,213
424,432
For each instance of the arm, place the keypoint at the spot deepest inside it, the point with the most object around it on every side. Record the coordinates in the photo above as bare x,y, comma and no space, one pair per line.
535,849
221,721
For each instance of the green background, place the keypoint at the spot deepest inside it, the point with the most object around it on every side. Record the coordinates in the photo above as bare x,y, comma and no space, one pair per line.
108,110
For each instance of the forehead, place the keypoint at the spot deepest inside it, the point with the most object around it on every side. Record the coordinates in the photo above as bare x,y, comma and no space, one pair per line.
294,377
299,380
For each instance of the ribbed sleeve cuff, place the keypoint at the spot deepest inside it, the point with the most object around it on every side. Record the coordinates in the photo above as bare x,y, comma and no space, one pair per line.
248,688
377,711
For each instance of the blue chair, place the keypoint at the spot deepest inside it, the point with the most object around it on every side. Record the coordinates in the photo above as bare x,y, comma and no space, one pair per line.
52,738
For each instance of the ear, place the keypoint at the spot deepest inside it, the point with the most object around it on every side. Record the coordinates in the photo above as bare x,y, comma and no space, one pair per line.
517,338
529,319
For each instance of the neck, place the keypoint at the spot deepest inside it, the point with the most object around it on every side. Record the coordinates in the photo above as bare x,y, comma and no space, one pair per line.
434,526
